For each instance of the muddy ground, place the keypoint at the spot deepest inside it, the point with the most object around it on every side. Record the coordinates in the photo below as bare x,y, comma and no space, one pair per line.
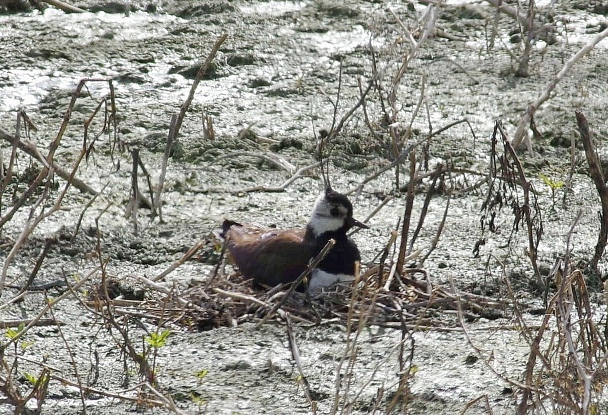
277,75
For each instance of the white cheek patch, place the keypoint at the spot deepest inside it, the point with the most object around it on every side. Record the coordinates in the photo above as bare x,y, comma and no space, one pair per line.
321,224
322,219
320,279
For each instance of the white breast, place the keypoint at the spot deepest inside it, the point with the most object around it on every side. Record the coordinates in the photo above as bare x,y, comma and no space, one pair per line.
320,279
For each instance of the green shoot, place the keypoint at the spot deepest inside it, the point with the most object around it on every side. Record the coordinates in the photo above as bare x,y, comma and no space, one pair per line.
201,374
30,378
26,344
554,185
197,399
12,333
158,339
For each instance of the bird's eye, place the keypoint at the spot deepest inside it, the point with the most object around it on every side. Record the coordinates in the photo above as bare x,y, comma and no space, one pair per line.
335,211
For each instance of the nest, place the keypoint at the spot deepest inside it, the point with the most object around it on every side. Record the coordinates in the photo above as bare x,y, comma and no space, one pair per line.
378,297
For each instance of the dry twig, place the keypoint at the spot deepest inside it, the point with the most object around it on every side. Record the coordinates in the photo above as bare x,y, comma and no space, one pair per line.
595,169
527,116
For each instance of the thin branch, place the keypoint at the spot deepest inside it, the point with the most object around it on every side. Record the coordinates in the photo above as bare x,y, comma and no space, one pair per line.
199,76
525,119
45,310
295,353
67,8
181,261
157,205
271,189
595,169
42,322
30,149
270,157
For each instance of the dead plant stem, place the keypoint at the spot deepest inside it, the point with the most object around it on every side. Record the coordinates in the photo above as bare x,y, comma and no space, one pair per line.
295,354
163,169
595,169
45,310
409,204
181,261
525,119
71,360
86,207
271,189
199,76
30,149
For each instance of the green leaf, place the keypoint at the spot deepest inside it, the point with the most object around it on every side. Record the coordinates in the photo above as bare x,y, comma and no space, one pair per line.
553,184
158,339
197,399
30,378
26,344
12,333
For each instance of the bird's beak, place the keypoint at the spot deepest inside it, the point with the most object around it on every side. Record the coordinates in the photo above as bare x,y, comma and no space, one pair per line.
354,222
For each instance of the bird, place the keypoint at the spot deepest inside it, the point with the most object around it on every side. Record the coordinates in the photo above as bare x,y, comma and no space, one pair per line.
274,256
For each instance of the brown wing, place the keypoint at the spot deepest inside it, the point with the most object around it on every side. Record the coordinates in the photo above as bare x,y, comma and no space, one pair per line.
270,257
